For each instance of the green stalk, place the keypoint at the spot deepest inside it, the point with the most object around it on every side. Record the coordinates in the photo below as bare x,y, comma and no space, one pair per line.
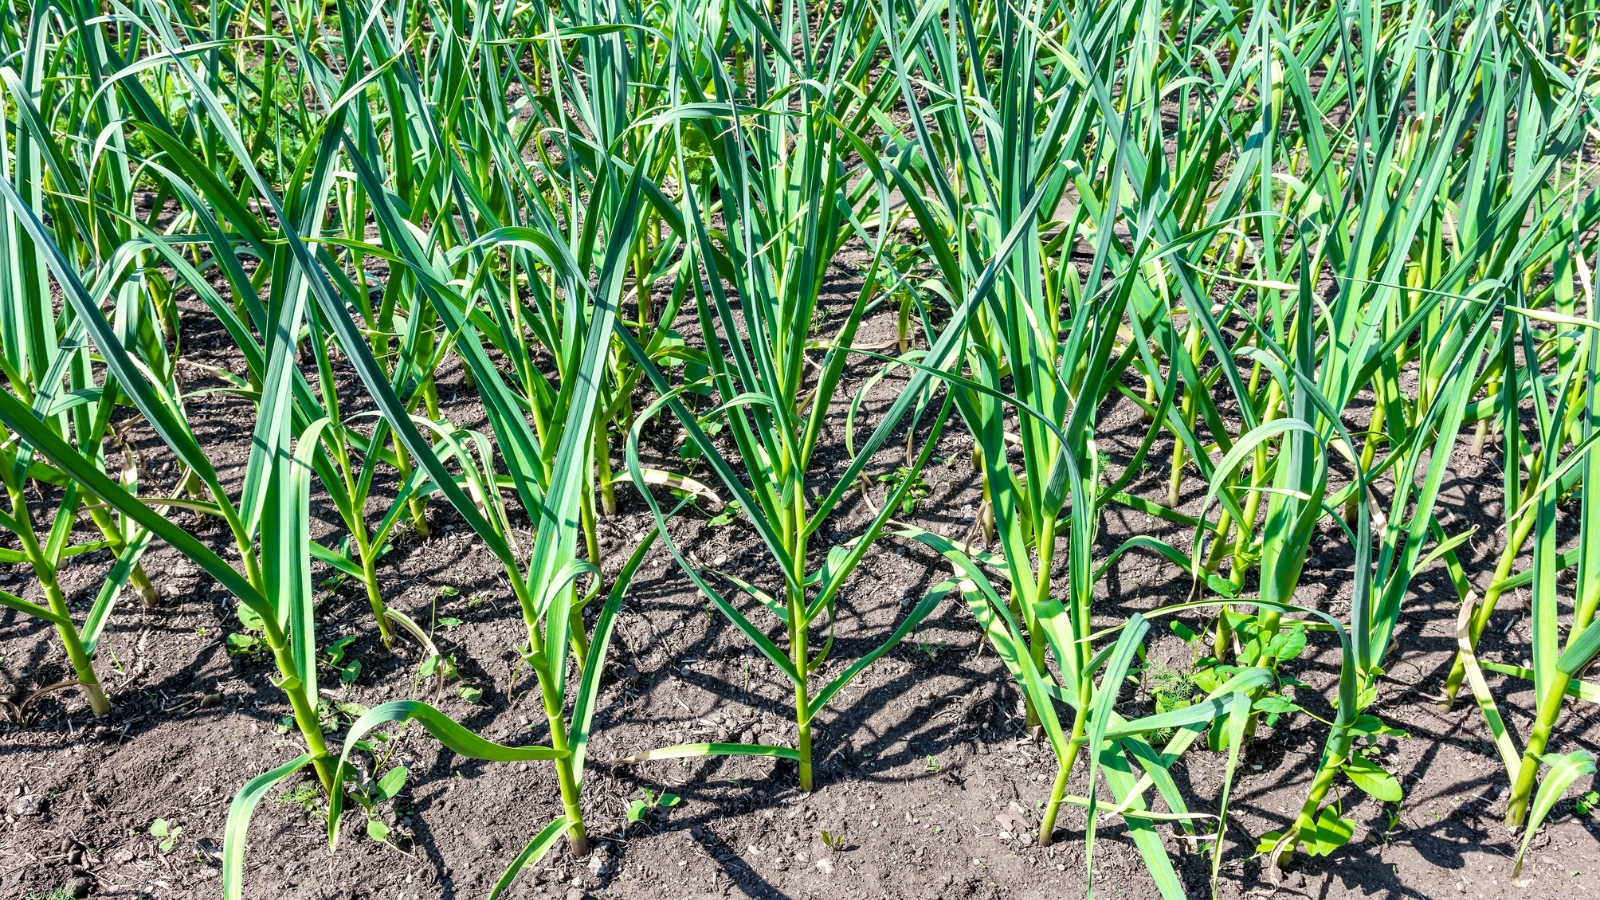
1191,346
799,633
566,776
148,595
418,506
1037,642
1219,541
641,282
81,666
369,581
44,570
1547,711
1369,447
902,327
799,655
1491,595
304,708
602,458
1480,435
1333,757
1058,791
986,508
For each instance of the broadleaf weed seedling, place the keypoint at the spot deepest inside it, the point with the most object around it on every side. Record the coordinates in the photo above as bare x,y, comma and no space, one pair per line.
638,810
166,833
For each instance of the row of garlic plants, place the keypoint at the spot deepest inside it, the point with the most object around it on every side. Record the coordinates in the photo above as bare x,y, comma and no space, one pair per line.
1322,248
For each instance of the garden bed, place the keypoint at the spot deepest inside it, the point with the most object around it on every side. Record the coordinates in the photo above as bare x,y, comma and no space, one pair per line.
924,769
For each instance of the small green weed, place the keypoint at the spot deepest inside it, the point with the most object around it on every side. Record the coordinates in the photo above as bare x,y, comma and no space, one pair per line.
1587,804
307,796
639,809
166,833
1171,690
916,490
